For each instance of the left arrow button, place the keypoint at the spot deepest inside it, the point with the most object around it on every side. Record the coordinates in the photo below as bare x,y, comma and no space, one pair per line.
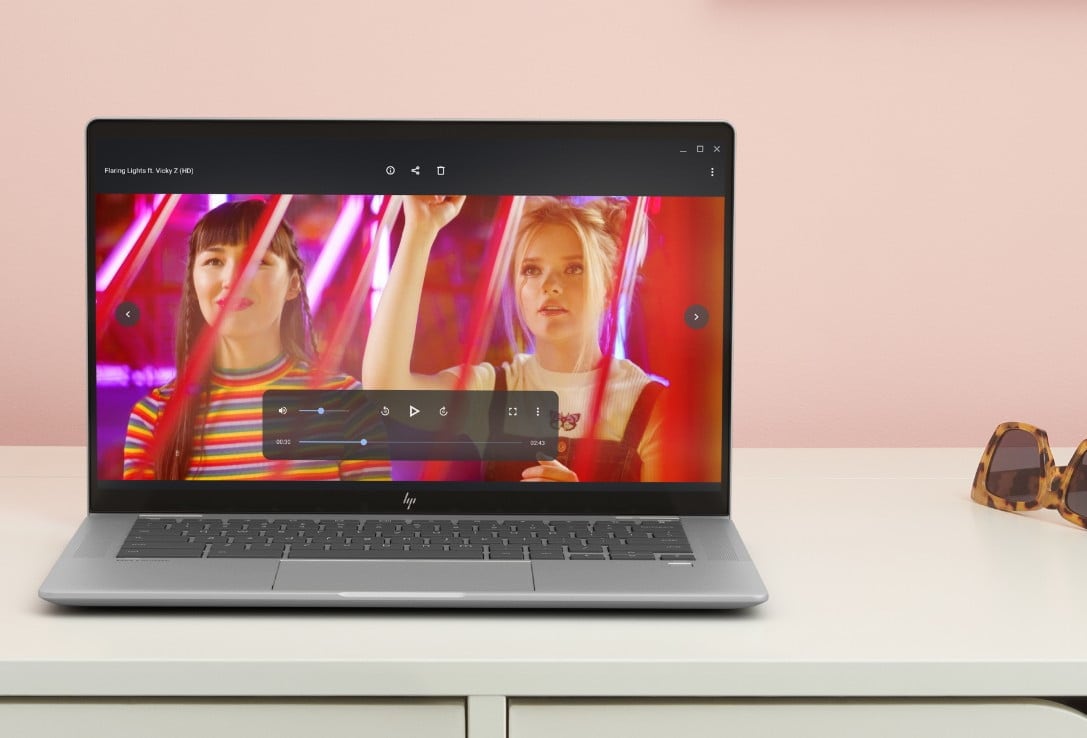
127,314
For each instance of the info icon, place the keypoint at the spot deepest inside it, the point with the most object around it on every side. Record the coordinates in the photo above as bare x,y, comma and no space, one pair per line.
127,314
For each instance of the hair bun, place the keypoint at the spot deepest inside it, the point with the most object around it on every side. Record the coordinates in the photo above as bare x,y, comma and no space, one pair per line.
613,211
605,215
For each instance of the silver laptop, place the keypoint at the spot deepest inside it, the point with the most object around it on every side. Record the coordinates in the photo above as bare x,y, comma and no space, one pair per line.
313,381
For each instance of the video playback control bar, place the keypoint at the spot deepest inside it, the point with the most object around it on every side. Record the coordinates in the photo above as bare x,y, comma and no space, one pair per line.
465,425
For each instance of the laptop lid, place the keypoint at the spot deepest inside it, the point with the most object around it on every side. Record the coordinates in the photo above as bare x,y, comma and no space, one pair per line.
571,351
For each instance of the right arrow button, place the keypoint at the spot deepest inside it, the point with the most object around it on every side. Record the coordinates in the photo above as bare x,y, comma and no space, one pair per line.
697,316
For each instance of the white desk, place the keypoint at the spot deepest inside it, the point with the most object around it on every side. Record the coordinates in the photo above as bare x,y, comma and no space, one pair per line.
885,581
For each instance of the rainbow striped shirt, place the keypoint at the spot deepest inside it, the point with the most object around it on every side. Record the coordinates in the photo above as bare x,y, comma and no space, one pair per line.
230,448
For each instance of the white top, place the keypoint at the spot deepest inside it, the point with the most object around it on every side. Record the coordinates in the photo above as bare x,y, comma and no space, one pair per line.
626,380
885,579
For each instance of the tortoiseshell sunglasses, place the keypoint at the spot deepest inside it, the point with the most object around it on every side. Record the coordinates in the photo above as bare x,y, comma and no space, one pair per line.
1017,473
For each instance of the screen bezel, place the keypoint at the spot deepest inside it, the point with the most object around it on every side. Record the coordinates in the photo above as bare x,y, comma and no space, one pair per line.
413,498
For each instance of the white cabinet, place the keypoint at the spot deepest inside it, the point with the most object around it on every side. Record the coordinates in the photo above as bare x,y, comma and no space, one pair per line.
531,718
268,718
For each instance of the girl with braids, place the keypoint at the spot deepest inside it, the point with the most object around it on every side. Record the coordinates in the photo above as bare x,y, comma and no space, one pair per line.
561,276
265,344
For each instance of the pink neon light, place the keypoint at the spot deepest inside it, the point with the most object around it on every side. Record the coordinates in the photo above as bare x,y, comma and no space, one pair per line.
124,245
381,267
380,234
334,249
364,280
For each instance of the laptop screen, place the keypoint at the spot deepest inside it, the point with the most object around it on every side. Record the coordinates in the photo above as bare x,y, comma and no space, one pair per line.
296,315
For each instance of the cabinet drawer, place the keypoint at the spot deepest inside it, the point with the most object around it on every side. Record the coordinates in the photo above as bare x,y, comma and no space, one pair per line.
540,718
268,718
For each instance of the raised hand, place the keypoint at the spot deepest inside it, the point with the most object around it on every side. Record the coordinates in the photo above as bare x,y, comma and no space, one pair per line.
431,212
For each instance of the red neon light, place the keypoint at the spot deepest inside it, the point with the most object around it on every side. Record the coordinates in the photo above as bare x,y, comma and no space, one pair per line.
126,274
586,465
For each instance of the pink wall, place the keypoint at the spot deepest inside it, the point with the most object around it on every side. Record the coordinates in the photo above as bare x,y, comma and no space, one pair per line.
911,234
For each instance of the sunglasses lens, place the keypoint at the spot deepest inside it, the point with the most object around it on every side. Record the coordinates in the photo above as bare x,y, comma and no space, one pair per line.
1015,471
1077,489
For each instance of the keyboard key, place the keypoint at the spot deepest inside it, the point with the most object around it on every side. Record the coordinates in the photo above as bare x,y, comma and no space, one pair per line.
505,549
325,554
175,543
315,546
160,553
360,546
651,548
161,536
587,557
531,526
385,555
242,553
425,547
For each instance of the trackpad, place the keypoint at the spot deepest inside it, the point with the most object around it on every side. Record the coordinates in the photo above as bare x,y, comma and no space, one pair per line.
404,576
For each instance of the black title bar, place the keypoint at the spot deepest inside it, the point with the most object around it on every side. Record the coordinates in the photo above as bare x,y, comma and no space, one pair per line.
339,157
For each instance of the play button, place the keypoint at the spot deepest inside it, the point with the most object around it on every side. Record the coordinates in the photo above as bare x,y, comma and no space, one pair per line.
127,314
697,316
412,411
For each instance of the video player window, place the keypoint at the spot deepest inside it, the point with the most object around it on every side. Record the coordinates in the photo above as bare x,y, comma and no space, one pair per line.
372,337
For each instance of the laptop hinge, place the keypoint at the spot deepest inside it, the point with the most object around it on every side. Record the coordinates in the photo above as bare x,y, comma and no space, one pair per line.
170,515
647,517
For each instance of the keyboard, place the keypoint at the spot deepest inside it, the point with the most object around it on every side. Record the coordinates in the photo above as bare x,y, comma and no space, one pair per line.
510,540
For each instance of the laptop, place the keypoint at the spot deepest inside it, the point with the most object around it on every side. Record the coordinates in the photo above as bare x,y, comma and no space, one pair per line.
408,364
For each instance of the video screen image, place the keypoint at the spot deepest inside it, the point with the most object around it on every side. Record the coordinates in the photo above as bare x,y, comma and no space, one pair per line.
255,337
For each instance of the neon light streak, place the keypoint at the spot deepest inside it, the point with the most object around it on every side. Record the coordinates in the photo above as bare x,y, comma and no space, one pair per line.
124,245
349,317
498,255
634,258
382,265
118,285
334,249
587,464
